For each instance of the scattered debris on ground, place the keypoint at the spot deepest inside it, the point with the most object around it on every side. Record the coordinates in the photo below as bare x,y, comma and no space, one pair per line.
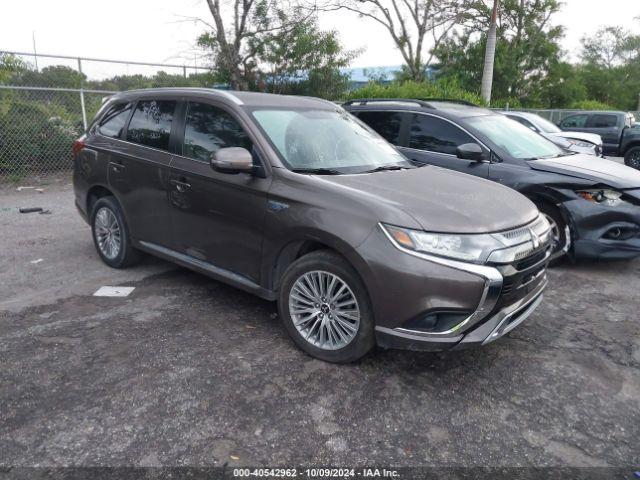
31,210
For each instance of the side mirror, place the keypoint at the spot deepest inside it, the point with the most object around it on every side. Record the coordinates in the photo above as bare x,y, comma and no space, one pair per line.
471,151
232,160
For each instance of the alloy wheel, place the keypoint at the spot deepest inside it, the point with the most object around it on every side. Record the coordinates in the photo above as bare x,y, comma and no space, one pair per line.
555,232
324,310
108,234
634,160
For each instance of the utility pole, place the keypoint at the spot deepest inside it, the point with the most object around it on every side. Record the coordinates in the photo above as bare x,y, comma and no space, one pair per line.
490,55
35,53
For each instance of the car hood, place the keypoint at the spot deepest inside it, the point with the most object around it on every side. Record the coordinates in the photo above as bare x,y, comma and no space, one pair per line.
587,137
441,200
588,167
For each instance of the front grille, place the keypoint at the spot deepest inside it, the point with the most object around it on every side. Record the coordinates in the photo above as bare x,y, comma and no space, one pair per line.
523,234
532,260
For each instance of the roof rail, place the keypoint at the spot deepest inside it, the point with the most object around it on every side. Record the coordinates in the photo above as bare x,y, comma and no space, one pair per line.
450,100
364,101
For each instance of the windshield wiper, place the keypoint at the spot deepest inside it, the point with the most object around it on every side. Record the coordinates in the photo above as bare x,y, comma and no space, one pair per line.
385,168
317,171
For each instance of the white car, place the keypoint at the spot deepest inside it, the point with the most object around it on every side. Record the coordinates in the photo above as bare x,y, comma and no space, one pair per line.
580,142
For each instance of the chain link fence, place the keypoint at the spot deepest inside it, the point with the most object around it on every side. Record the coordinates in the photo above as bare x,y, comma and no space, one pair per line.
47,101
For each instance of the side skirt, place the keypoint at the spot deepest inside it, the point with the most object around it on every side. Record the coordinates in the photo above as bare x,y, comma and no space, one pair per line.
208,269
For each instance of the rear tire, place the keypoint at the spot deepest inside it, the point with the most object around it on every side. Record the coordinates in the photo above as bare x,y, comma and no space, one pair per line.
111,234
632,158
558,231
326,308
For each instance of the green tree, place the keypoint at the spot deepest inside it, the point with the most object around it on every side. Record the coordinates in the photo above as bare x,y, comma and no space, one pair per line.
275,46
304,60
413,26
610,67
10,66
528,48
238,31
59,76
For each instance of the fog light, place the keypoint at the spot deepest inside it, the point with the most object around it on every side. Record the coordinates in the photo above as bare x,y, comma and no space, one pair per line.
434,322
621,233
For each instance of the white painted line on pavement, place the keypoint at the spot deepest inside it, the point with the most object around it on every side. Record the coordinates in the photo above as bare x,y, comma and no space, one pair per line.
113,291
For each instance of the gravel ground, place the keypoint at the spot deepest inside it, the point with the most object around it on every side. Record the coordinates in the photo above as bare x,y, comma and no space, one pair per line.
188,371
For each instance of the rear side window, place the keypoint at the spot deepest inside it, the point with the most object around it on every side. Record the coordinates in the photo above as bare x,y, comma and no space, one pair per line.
209,129
114,121
603,121
575,121
151,123
387,124
436,135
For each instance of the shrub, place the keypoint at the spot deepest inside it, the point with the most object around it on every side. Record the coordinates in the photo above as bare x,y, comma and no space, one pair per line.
34,137
417,90
591,105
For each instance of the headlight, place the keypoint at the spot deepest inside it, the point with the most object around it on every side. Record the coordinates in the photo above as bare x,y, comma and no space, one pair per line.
609,198
480,248
580,143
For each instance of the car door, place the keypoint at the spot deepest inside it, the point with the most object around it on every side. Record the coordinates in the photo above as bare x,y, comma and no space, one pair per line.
217,218
574,123
609,127
138,168
434,140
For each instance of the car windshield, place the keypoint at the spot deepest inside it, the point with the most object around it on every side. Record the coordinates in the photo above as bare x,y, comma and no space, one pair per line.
514,138
545,125
327,142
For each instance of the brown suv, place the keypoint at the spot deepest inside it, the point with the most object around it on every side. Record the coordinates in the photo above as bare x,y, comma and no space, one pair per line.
295,200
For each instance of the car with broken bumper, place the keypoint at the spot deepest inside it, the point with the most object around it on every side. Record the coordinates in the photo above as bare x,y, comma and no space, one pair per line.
593,204
294,200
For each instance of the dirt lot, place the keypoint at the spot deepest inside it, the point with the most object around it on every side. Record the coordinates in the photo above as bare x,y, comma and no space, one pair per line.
188,371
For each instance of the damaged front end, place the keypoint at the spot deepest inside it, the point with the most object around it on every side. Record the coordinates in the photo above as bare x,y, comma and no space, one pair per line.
605,223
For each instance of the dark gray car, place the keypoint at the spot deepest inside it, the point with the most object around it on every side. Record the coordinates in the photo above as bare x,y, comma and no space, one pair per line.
295,200
616,130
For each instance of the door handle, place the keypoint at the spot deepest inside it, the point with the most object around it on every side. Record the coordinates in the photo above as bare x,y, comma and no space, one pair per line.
116,166
181,186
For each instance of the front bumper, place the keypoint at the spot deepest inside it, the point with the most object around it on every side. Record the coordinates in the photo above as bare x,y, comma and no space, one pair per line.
499,324
594,228
422,302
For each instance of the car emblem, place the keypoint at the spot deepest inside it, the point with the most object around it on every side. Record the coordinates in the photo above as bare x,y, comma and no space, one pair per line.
534,239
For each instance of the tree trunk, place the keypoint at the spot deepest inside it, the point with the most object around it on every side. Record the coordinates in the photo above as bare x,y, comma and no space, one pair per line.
490,54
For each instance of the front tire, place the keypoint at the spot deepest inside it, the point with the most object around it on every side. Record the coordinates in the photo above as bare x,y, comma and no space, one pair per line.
111,234
632,158
326,308
560,235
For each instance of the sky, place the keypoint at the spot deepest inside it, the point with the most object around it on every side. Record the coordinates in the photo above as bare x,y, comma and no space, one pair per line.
163,30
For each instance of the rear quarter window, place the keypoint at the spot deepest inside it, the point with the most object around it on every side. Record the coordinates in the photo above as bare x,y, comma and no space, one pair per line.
603,121
114,121
386,124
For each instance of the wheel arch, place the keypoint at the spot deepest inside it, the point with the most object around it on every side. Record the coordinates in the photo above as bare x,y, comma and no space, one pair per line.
630,145
95,193
293,249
